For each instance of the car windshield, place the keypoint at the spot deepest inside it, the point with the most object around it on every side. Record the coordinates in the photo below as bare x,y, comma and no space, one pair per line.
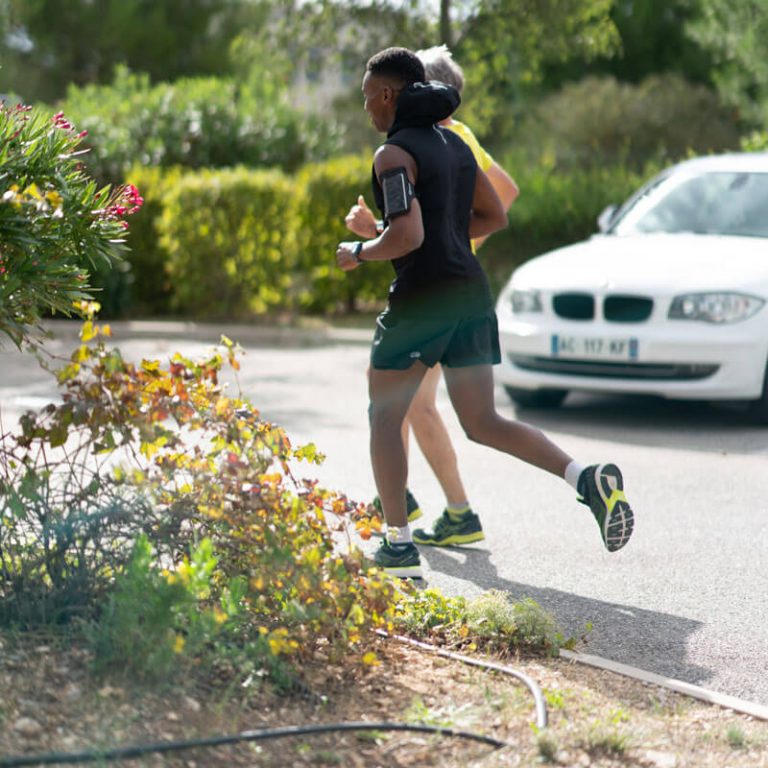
711,203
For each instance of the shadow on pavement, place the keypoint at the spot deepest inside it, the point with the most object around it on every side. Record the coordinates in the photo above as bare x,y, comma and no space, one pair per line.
646,639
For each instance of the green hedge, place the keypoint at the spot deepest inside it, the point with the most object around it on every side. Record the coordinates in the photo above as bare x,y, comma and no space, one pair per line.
235,244
229,237
602,121
150,286
194,122
325,192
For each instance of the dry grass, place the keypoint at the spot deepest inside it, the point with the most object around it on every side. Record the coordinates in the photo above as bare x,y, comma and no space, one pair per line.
50,704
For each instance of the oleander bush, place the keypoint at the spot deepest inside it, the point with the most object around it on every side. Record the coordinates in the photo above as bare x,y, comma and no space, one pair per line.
57,226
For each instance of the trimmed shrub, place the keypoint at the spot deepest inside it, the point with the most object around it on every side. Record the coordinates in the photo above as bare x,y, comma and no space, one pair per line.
325,192
149,287
229,236
195,122
600,120
755,142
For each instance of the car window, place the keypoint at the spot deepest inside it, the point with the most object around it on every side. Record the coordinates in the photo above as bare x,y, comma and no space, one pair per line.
717,203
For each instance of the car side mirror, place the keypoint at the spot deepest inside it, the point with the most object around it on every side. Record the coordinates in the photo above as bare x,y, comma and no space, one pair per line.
606,217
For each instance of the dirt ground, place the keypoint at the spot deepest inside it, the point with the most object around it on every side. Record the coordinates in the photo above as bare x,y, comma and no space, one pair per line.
50,704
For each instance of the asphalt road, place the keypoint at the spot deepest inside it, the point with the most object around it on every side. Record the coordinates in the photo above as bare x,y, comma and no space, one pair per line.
687,598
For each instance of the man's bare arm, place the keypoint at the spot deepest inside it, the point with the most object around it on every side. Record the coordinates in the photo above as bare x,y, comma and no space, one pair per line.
404,233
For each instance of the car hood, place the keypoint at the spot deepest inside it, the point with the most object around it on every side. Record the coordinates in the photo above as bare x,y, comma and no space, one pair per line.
659,264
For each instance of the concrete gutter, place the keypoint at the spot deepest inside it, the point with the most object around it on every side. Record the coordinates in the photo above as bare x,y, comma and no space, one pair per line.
723,700
282,336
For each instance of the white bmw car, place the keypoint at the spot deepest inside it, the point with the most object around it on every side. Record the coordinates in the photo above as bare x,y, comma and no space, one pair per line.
670,299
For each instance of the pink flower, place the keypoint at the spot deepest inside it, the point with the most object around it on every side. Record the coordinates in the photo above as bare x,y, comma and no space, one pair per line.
132,198
61,122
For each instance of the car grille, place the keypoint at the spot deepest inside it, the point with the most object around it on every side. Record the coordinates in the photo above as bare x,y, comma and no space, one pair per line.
616,308
574,306
599,369
627,309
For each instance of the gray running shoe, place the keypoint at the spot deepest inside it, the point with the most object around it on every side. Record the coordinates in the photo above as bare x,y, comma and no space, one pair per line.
601,488
399,560
448,531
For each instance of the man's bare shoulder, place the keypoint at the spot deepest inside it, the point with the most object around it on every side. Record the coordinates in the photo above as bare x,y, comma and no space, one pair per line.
391,156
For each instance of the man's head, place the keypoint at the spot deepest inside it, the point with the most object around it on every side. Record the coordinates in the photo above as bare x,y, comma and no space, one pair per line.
386,74
439,65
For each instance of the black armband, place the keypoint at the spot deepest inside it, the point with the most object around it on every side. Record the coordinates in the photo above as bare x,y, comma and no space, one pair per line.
397,191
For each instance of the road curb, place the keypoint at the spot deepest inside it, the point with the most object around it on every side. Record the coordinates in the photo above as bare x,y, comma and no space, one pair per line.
752,708
252,335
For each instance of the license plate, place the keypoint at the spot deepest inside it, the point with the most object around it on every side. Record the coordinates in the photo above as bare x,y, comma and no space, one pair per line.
594,347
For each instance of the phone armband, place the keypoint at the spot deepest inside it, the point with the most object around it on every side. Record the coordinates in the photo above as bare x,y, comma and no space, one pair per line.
397,191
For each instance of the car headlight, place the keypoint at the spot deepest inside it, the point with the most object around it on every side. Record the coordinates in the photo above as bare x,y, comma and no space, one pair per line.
526,301
715,307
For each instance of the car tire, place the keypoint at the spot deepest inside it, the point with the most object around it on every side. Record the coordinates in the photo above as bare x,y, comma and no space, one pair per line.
758,409
537,398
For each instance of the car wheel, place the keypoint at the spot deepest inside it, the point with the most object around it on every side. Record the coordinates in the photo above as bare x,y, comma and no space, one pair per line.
537,398
758,409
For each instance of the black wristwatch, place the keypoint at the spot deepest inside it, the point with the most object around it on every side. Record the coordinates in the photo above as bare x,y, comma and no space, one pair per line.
356,251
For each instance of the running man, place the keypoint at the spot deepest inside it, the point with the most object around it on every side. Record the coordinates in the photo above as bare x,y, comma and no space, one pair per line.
434,200
458,524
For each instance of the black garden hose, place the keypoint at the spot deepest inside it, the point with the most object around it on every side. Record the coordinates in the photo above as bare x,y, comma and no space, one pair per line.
138,750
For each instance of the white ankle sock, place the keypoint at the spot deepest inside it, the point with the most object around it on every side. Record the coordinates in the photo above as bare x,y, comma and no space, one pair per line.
572,473
397,535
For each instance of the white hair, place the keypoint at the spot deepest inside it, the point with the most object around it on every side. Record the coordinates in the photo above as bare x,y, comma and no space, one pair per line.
439,65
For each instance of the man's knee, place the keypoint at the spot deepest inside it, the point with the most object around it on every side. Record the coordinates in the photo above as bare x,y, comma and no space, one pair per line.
477,429
383,415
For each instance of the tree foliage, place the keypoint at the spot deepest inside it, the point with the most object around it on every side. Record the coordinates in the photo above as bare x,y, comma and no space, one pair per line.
736,35
51,43
504,46
653,40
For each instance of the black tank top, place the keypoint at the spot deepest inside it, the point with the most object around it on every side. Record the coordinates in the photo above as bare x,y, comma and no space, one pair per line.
442,275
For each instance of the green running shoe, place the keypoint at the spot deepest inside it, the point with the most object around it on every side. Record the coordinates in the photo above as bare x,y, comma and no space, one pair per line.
448,531
411,507
399,560
601,488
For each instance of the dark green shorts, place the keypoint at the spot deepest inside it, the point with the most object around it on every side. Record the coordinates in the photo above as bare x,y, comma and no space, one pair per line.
456,341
